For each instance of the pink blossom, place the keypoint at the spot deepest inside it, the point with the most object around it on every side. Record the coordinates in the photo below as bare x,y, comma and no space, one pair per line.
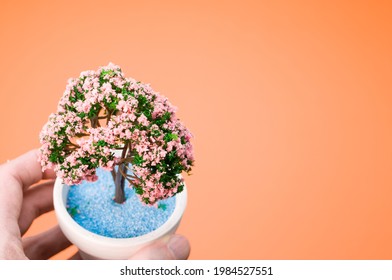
91,178
143,120
106,87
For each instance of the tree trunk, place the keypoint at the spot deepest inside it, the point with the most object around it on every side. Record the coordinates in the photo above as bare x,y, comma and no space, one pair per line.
119,196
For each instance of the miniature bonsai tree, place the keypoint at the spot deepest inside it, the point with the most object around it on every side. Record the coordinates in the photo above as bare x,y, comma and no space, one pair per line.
123,126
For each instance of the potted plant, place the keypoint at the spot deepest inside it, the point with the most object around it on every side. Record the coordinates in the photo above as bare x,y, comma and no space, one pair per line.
110,132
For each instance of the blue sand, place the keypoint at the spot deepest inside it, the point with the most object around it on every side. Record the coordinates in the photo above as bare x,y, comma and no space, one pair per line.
91,205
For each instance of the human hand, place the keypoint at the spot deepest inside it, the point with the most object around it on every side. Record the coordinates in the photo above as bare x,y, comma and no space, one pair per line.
26,193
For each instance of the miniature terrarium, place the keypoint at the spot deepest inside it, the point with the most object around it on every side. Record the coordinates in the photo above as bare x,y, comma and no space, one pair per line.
118,150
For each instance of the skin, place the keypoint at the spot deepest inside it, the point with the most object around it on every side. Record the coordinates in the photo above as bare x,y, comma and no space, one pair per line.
26,193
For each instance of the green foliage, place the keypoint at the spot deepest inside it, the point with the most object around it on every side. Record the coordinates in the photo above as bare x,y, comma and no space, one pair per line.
144,106
173,163
163,119
73,211
94,111
170,136
54,157
70,108
155,133
78,95
162,206
101,143
109,72
138,190
138,159
127,93
111,106
82,115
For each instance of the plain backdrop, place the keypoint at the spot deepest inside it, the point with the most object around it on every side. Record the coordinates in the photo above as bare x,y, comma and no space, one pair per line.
289,103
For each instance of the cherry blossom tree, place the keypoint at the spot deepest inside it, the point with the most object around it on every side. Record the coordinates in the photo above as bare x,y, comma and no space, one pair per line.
119,124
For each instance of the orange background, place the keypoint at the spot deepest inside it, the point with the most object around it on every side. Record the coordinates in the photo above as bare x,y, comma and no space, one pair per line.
289,102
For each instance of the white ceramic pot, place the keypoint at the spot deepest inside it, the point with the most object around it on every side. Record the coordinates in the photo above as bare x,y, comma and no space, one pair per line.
94,246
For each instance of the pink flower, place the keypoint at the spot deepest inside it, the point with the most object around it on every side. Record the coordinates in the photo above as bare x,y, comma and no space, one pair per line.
143,120
106,88
91,178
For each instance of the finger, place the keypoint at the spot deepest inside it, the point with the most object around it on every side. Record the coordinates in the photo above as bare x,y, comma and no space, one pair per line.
77,256
11,247
48,174
177,248
27,170
36,201
16,175
46,244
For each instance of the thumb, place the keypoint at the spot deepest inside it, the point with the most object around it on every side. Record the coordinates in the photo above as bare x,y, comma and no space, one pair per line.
177,248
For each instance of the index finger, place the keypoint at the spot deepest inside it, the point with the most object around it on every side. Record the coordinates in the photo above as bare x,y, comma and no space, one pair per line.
27,170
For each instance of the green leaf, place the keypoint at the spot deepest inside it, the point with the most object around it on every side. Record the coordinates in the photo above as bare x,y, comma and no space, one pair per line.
112,105
53,157
170,136
101,143
155,133
107,72
78,95
180,188
82,115
160,121
162,206
73,211
137,159
138,190
94,111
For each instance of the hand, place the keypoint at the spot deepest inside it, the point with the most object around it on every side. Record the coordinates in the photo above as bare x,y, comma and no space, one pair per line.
21,203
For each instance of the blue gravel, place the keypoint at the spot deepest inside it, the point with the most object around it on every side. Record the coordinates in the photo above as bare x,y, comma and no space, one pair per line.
91,205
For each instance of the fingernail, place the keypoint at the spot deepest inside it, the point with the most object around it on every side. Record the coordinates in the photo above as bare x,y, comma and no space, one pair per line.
179,246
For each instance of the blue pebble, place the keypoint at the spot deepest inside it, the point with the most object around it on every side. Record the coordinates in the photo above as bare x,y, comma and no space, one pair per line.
91,205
